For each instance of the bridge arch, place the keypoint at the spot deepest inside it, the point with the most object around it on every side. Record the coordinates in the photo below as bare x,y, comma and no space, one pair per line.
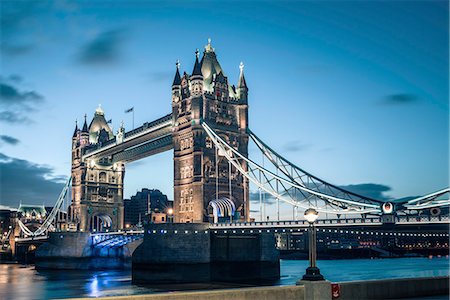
221,209
100,222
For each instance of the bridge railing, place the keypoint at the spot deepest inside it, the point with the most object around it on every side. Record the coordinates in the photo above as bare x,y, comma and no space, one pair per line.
299,223
422,219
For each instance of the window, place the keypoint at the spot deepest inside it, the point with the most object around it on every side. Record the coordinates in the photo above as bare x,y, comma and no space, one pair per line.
102,177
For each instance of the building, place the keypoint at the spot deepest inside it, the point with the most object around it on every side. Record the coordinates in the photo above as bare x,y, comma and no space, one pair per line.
97,185
206,187
146,205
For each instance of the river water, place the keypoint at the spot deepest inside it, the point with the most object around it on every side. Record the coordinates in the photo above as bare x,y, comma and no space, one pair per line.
24,282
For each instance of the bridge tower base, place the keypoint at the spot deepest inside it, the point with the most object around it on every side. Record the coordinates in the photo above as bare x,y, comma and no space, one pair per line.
181,253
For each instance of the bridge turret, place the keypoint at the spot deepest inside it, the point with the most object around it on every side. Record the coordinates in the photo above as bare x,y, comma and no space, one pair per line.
176,92
242,89
84,135
196,78
198,177
76,131
242,93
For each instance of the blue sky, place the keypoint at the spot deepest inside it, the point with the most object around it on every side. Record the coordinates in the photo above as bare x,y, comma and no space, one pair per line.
355,92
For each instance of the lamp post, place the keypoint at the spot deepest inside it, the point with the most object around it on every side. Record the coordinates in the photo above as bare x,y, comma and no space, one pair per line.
312,272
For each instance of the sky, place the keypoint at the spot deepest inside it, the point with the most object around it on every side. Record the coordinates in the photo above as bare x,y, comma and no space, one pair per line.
355,92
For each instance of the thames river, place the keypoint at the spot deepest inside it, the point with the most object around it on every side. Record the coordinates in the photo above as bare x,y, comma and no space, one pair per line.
24,282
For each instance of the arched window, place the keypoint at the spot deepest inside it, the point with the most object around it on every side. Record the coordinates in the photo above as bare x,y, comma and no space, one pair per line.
102,177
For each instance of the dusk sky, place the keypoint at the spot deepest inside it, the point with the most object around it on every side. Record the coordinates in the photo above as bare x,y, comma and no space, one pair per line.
355,92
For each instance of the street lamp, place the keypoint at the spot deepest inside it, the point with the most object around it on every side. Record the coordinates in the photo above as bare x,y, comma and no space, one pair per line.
312,272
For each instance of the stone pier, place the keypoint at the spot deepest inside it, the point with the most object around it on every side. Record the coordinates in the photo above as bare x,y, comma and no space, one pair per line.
74,250
174,253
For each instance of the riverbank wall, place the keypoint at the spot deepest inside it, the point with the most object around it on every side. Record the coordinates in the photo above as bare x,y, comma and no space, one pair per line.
369,289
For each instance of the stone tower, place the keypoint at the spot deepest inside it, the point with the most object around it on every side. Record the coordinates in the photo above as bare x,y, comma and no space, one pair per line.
203,179
97,185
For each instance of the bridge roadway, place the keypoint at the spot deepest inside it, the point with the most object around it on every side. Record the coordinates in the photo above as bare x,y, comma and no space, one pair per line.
120,238
150,138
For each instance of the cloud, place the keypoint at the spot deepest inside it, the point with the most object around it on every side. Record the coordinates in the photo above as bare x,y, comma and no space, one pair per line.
15,102
18,22
400,99
9,140
11,96
25,181
159,76
371,190
12,117
295,146
266,197
103,50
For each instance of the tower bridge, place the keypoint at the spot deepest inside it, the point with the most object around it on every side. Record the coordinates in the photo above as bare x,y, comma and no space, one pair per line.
208,132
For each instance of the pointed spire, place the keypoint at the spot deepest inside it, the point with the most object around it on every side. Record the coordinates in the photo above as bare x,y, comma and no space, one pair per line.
241,83
197,67
85,127
177,79
76,129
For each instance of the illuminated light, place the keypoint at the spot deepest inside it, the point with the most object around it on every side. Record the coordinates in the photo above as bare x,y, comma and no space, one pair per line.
127,225
215,231
242,231
276,230
251,231
206,231
61,236
92,163
154,231
225,231
234,231
185,231
284,230
311,215
269,230
170,211
261,230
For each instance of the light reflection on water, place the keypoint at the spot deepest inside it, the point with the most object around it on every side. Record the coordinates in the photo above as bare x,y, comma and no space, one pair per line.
24,282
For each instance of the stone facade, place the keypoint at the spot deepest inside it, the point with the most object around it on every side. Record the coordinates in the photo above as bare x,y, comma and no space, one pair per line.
201,173
206,96
97,185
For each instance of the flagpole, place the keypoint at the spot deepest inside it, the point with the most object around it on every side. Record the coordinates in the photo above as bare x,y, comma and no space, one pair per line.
133,117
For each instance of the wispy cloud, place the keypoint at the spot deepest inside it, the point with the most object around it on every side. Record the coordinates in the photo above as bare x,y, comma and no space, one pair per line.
296,146
400,99
104,49
7,139
14,102
158,76
371,190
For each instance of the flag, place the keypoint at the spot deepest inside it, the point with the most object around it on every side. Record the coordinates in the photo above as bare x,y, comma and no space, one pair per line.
129,110
109,121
